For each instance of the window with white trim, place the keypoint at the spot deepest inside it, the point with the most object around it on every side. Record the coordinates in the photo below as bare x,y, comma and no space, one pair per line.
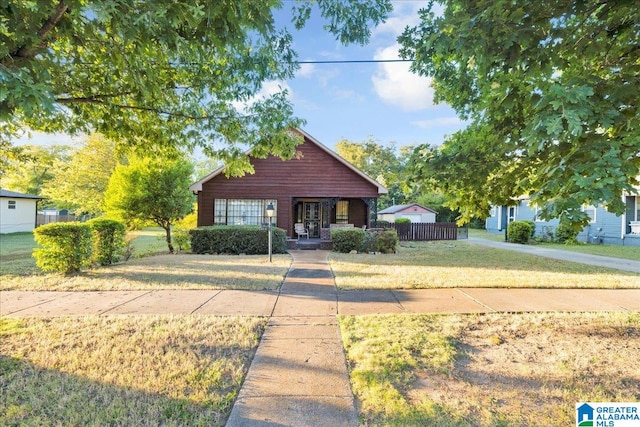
11,204
590,210
242,211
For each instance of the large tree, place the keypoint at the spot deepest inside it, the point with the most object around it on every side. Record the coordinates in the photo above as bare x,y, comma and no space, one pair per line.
38,166
80,181
384,163
551,91
150,190
158,74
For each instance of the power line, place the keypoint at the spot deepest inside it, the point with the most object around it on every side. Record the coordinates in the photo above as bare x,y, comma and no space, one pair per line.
354,61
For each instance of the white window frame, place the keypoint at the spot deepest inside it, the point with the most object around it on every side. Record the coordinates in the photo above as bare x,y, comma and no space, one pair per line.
243,211
587,208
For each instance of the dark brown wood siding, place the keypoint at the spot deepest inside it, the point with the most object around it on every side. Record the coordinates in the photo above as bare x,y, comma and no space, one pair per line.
315,174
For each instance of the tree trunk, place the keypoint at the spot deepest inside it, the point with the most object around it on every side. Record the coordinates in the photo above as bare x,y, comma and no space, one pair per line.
167,229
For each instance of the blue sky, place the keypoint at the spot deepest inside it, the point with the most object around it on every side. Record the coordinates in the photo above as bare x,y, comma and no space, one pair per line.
357,101
383,101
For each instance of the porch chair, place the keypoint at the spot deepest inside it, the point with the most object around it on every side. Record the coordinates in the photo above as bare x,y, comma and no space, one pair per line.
300,230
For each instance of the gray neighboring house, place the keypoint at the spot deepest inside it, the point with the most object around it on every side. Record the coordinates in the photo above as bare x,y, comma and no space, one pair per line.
413,211
18,211
604,226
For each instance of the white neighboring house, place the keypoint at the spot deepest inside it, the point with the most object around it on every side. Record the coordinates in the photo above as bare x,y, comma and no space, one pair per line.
18,211
413,211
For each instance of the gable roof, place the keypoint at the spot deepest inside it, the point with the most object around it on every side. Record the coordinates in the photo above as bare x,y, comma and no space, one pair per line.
399,208
197,186
16,195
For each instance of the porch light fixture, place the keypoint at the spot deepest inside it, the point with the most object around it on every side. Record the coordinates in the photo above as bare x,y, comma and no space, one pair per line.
270,212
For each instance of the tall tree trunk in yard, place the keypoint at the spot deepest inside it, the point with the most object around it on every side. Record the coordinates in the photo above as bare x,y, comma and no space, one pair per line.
167,229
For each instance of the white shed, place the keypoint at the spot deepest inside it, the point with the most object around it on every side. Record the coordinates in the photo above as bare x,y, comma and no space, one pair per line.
18,211
413,211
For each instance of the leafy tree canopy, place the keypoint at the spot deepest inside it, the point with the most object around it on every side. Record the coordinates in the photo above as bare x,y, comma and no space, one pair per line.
35,169
150,189
384,163
159,74
551,91
80,181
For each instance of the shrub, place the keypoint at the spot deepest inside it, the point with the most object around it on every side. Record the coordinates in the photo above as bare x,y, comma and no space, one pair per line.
519,231
181,238
65,247
180,232
235,240
347,239
369,242
109,240
387,241
565,233
533,228
403,221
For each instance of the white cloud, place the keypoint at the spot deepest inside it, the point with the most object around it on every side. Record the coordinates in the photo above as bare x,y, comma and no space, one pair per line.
396,85
403,15
306,70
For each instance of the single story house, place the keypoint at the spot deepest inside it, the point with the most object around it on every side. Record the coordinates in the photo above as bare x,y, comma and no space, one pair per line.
18,211
413,211
604,226
317,188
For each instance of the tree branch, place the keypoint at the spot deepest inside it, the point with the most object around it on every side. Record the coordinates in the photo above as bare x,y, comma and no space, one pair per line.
26,51
98,100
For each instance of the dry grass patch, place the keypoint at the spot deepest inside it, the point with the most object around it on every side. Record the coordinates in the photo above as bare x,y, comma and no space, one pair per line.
151,370
181,271
422,265
490,370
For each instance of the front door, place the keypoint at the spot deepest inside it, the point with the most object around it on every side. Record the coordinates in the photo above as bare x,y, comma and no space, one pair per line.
312,218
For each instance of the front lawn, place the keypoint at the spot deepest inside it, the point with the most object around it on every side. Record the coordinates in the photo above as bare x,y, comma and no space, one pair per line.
461,264
615,251
250,272
489,370
127,371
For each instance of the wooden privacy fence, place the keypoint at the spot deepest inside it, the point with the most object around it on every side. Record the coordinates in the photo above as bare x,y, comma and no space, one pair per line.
420,231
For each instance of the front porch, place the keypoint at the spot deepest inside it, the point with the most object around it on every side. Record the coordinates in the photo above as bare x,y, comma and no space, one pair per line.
319,214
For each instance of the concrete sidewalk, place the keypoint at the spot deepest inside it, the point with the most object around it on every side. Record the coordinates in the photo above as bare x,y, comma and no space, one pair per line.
298,376
596,260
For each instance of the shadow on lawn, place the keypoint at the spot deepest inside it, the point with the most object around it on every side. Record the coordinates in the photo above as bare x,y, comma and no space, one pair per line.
33,395
462,255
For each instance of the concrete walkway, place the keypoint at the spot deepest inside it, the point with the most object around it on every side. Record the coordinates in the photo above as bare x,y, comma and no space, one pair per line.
298,376
597,260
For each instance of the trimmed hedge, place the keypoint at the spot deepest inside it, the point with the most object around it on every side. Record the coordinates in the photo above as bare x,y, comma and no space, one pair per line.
347,239
403,220
65,247
519,231
236,240
109,240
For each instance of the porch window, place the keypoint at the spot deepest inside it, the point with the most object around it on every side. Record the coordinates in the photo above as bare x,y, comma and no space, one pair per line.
590,210
242,211
342,212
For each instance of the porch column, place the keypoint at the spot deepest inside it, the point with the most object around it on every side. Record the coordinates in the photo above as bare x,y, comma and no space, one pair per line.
372,209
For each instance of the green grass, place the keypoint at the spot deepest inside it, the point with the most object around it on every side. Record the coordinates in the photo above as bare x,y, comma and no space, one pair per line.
182,271
488,370
422,265
16,250
615,251
134,370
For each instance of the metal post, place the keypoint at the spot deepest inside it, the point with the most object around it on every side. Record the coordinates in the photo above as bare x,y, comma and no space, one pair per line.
269,239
